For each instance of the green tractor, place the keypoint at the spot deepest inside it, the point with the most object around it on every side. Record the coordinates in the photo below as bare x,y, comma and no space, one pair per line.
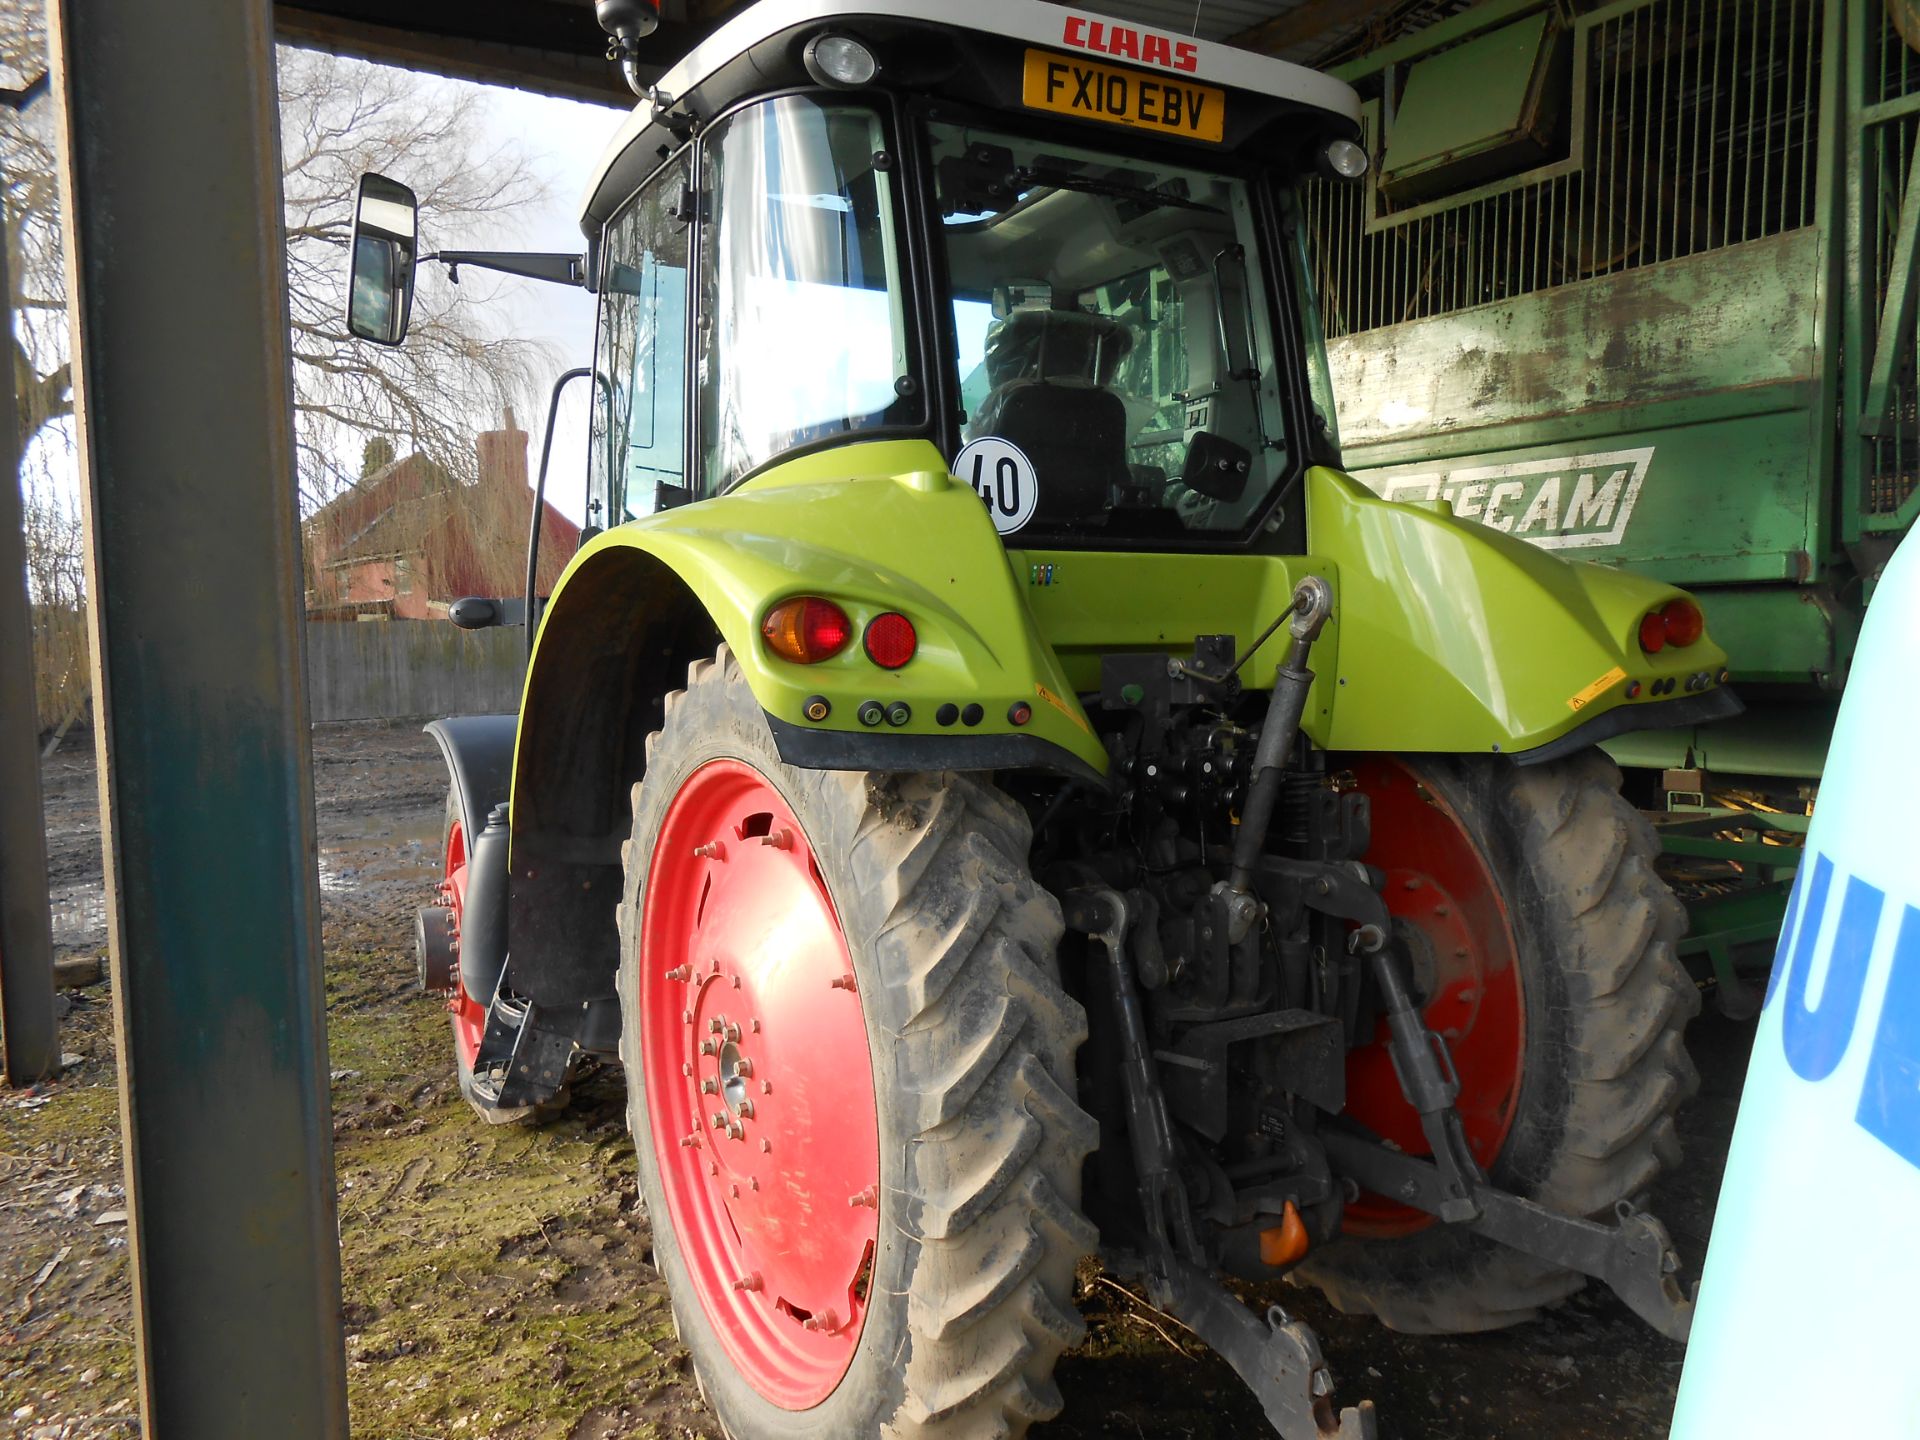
999,788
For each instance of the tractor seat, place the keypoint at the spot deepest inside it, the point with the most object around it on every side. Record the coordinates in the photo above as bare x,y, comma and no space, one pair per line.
1049,370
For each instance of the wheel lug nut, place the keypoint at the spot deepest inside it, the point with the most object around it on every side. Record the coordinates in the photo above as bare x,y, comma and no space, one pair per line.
781,839
865,1198
825,1320
712,850
680,972
689,1140
747,1282
732,1032
714,1026
707,1047
708,1087
686,1017
736,1192
736,982
720,1121
752,1183
765,1146
766,1087
843,982
686,1067
736,1131
746,1109
754,1026
743,1068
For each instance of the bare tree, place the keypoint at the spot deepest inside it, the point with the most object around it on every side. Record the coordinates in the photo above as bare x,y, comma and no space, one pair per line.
455,374
338,118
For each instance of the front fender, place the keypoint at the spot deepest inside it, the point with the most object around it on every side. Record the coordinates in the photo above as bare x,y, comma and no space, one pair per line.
873,527
1457,637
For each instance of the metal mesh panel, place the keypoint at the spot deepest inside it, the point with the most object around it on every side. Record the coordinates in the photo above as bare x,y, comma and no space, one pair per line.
1894,456
1700,131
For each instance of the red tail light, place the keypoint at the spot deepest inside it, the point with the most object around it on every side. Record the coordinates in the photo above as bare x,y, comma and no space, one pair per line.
806,629
890,640
1677,623
1685,624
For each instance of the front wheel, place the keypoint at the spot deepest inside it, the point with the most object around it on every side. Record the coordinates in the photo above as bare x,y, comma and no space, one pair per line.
1543,948
850,1081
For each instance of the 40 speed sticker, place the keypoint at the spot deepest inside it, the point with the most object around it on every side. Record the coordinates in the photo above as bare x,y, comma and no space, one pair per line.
1002,476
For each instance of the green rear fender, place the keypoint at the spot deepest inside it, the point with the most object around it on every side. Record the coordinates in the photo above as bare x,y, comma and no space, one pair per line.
1457,637
873,527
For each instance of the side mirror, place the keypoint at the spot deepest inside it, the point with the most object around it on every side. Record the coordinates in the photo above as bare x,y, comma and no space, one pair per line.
381,254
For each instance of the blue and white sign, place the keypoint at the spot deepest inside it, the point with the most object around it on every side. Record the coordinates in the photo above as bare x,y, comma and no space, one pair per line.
1806,1322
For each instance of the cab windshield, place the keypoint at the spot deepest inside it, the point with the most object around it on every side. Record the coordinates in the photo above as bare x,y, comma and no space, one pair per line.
1117,374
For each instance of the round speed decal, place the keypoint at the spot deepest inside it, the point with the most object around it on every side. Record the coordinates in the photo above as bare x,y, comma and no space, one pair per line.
1002,476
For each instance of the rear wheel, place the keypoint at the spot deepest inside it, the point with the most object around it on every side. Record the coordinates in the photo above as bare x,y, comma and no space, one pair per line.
850,1084
1543,948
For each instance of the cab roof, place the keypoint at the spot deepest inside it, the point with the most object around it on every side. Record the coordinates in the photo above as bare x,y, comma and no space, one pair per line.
724,68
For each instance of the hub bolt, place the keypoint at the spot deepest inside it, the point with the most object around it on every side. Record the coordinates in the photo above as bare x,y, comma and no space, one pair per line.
765,1146
754,1026
766,1087
689,1140
686,1067
748,1282
712,850
686,1017
865,1198
752,1183
781,839
825,1320
843,982
680,972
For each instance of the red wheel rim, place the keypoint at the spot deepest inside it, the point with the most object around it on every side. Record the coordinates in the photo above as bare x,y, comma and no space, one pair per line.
469,1014
1440,884
743,963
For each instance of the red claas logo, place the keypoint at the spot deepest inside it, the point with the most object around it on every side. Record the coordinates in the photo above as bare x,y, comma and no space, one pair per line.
1129,44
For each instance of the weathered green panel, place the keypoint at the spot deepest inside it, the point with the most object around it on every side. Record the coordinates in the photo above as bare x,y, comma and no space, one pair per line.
1733,319
1714,502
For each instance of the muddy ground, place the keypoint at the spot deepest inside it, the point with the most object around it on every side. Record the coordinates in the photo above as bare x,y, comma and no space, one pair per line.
497,1280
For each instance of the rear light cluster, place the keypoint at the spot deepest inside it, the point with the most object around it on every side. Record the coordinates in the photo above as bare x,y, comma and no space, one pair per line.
1678,623
807,629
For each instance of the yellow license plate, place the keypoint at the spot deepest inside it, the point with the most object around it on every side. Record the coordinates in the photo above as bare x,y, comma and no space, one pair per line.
1088,90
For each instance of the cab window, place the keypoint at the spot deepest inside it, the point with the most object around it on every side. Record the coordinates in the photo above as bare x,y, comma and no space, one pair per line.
638,456
803,333
1112,342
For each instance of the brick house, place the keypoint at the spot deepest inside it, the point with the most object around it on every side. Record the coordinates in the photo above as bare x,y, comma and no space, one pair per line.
409,538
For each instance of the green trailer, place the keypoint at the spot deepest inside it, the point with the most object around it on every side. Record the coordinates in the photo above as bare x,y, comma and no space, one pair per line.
1633,282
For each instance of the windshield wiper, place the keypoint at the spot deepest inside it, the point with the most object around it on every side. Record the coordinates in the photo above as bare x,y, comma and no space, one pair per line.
1025,177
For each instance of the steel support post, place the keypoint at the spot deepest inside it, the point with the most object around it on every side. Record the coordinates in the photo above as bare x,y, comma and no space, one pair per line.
176,272
29,1041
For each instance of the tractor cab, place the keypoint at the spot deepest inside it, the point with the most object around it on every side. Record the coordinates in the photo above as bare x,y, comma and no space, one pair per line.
1075,278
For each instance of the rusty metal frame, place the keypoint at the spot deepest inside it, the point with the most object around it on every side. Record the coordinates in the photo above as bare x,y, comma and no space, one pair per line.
170,168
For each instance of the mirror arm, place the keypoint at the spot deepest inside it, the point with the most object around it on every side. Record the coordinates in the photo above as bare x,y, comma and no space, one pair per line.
534,265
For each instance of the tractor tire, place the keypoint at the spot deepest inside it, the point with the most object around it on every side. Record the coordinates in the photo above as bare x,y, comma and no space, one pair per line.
890,1117
1596,1029
469,1013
